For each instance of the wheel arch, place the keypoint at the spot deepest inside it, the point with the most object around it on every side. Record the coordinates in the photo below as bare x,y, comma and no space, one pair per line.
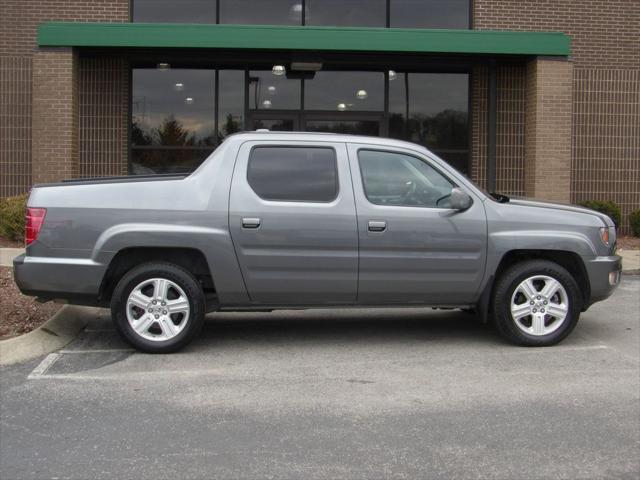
570,261
188,258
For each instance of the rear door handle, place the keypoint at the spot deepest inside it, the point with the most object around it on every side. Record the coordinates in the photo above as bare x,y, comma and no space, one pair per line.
377,226
250,222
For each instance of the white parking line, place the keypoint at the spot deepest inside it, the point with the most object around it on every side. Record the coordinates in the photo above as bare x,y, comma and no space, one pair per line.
45,365
99,350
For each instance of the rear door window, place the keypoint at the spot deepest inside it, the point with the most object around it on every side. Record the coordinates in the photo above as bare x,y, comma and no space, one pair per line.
294,174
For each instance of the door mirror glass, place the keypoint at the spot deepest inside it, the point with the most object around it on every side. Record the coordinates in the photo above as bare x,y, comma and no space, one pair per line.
460,200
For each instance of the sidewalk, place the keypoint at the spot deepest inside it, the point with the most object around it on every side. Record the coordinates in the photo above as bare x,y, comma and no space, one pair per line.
630,259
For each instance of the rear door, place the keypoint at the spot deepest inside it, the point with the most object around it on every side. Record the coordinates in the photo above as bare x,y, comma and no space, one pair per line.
293,223
414,249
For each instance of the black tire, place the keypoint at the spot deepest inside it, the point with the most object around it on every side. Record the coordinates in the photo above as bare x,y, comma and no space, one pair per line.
507,284
181,277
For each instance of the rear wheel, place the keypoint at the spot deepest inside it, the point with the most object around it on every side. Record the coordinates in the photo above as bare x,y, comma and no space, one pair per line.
158,307
536,303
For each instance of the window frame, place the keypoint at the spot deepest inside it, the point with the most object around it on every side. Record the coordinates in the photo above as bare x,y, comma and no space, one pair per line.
284,145
424,160
303,21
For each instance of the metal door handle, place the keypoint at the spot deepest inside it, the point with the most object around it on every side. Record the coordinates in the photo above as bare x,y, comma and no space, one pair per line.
250,222
378,226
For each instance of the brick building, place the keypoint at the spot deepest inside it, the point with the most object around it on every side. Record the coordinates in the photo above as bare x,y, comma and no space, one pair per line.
537,98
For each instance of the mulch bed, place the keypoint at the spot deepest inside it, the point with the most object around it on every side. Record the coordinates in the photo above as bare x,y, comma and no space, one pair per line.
628,243
6,243
18,313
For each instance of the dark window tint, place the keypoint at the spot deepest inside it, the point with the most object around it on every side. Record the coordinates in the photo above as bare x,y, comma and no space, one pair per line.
261,12
402,180
172,119
172,11
345,91
432,109
302,174
145,161
346,13
430,13
230,102
353,127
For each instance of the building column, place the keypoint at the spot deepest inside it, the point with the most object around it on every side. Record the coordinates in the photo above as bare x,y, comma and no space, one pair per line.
55,115
548,129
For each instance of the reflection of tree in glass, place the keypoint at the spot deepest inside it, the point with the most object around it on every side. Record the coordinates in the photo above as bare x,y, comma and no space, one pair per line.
172,132
230,126
138,135
446,129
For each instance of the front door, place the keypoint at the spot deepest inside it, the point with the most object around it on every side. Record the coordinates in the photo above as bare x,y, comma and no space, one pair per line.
413,248
293,223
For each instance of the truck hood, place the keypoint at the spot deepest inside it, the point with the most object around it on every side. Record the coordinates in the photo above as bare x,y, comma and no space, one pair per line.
561,206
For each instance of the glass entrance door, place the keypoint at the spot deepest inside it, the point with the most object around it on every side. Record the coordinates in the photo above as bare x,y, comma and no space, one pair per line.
354,124
274,121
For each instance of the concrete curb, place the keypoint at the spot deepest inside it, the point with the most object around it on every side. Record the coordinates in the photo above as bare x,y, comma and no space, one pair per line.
54,334
8,254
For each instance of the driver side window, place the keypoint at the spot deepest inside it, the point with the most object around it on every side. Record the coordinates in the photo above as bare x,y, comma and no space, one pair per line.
391,178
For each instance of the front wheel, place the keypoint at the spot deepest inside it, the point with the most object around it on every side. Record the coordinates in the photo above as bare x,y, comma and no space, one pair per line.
536,303
158,307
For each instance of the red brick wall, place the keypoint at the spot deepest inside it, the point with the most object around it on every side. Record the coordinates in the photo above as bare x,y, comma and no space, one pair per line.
604,32
605,120
20,18
548,129
55,115
15,125
18,23
103,116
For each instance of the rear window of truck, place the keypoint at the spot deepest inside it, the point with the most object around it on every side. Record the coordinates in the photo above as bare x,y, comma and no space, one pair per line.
294,174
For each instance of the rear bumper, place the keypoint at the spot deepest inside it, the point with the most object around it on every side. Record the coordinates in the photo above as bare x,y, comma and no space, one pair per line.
604,276
58,278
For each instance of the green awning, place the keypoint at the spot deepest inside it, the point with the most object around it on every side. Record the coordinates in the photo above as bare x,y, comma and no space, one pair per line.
267,37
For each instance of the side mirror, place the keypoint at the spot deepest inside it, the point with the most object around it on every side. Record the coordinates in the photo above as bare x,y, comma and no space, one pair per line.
460,200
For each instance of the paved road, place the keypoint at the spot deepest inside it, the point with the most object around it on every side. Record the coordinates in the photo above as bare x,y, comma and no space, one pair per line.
366,394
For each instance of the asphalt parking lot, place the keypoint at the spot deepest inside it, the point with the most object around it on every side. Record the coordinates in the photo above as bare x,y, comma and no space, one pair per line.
334,394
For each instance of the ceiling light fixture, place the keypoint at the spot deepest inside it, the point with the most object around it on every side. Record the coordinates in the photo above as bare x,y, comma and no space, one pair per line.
342,107
266,104
179,87
362,94
392,75
188,100
278,70
271,89
163,66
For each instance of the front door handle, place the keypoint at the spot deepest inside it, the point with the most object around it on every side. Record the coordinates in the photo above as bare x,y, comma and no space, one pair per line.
377,226
250,222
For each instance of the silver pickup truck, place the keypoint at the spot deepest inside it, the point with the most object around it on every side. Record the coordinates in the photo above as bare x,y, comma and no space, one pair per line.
301,220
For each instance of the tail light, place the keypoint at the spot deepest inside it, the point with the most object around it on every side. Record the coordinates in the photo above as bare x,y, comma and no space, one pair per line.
33,224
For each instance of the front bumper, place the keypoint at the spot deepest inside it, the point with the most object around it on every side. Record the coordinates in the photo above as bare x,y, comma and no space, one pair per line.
604,276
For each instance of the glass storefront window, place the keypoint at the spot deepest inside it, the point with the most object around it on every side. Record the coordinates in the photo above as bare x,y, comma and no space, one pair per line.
452,14
172,11
171,113
432,109
273,92
230,102
175,127
345,91
346,13
339,13
261,12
